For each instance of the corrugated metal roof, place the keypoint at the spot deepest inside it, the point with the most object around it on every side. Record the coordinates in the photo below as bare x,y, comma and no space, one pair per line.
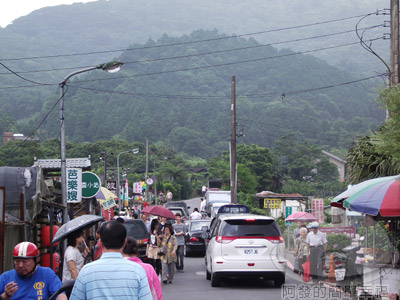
54,164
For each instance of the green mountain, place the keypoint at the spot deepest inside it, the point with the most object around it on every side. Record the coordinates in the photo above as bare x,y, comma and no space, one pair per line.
181,96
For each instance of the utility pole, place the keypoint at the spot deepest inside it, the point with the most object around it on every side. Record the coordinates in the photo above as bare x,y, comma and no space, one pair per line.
233,142
394,42
147,169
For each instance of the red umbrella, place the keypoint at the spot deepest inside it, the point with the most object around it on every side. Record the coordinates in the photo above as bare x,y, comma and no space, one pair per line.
159,210
301,216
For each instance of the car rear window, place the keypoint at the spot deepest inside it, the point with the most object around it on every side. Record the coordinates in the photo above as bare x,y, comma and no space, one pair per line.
196,226
137,230
250,227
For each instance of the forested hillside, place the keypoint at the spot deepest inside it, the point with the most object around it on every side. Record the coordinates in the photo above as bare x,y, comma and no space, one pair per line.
180,96
190,109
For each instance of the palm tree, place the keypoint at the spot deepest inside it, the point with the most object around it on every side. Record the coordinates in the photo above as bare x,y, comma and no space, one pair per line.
174,172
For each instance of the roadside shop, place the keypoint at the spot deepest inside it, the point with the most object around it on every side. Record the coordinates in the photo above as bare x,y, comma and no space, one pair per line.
378,200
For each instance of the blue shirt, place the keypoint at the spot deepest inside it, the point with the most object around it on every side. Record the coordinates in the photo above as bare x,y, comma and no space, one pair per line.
111,277
40,285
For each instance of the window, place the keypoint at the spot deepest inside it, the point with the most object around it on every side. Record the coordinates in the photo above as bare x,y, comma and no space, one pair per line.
250,227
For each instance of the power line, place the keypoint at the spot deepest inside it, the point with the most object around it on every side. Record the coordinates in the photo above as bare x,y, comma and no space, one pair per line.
37,127
193,97
211,52
212,66
225,64
188,42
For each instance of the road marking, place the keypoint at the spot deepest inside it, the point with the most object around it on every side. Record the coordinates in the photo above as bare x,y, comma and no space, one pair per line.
201,273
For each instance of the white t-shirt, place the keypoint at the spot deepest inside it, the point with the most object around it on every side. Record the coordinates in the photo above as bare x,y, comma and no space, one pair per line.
203,205
317,239
72,253
195,215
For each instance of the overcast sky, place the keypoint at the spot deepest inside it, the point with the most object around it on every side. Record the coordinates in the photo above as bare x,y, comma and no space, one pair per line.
13,9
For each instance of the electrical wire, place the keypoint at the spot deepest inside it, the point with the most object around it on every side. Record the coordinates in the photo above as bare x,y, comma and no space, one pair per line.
18,145
222,64
210,52
186,43
191,97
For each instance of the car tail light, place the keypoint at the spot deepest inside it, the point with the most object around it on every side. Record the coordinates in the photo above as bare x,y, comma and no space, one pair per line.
193,239
250,220
225,239
145,241
275,239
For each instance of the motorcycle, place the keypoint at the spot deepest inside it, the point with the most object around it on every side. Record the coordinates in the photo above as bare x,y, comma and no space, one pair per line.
65,287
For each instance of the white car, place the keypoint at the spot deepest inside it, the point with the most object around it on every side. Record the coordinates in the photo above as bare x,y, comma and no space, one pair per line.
245,245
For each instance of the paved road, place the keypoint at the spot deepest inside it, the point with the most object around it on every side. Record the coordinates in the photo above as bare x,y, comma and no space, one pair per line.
193,285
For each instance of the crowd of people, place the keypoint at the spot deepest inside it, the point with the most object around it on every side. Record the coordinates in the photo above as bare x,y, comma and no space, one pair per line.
110,275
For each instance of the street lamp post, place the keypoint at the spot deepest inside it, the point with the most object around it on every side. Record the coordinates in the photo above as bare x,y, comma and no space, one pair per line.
111,67
134,151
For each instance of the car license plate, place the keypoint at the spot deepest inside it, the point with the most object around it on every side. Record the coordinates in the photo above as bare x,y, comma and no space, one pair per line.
250,251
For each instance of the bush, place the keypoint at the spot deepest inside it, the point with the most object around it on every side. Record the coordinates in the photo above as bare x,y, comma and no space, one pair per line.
336,242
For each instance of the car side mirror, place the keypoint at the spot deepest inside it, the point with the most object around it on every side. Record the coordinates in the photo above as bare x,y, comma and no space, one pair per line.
188,207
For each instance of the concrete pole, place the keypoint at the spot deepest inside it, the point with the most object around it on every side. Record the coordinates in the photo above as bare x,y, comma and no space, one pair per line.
233,142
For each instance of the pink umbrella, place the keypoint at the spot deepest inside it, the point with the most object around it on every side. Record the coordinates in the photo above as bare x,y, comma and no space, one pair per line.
159,210
301,216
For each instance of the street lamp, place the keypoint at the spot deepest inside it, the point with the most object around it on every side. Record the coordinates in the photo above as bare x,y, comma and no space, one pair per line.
111,67
134,151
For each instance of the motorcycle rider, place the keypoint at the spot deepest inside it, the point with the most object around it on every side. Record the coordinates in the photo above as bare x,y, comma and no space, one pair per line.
28,280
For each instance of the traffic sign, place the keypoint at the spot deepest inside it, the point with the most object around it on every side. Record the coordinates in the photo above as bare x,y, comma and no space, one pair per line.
90,184
288,212
149,181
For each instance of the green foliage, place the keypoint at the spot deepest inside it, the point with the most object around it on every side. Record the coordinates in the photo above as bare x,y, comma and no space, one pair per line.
305,169
251,202
382,237
377,154
336,242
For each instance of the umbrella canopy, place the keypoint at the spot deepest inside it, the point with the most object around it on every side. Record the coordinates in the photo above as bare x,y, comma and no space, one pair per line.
372,197
105,194
301,216
159,210
75,224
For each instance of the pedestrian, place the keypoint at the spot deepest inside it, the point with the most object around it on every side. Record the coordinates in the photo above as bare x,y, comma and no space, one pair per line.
28,281
112,277
296,232
153,244
131,253
143,217
203,190
316,248
195,215
161,198
180,232
300,248
169,196
168,260
98,248
73,259
202,205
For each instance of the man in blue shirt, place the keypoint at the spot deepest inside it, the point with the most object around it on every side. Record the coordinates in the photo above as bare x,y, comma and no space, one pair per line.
112,277
28,281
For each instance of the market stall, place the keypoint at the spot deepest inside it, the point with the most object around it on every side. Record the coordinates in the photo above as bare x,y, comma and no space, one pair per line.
379,200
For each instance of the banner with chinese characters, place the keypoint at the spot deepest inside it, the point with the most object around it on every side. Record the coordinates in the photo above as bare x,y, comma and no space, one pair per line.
317,209
74,185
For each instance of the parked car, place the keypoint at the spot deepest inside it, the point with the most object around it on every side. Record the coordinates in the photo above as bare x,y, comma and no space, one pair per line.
245,245
137,229
184,215
179,204
194,240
